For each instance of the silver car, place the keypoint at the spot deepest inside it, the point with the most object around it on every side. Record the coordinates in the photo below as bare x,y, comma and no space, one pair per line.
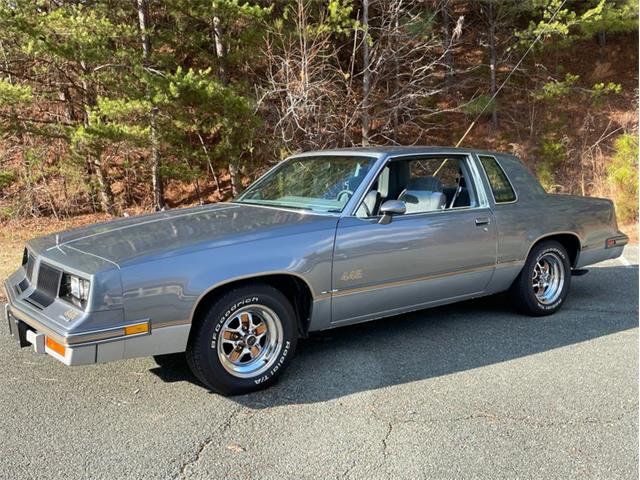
324,239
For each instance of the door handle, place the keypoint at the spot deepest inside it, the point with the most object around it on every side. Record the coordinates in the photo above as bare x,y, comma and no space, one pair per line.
483,221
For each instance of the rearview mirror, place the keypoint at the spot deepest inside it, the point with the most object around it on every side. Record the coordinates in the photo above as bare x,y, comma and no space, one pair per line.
391,208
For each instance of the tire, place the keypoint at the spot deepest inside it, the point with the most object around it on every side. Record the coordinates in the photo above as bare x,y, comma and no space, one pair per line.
244,340
170,360
549,261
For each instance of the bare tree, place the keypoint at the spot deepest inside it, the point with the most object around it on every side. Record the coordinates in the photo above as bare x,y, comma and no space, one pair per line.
366,74
407,56
498,18
396,64
491,17
306,96
445,11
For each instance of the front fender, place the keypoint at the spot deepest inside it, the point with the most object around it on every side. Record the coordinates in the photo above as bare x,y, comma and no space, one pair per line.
167,290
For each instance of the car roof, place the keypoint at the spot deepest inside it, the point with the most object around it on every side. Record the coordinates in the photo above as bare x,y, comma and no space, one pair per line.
395,150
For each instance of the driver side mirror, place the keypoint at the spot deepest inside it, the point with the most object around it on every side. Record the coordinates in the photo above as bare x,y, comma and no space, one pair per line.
391,208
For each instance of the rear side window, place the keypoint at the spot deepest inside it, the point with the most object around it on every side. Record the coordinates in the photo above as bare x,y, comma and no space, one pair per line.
500,185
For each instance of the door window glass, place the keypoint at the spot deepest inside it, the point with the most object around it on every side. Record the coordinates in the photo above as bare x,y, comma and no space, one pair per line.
424,184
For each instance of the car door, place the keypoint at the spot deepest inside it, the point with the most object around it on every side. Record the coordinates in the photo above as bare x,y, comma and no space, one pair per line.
417,260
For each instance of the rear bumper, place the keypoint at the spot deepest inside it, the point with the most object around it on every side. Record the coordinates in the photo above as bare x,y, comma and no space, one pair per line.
610,249
616,241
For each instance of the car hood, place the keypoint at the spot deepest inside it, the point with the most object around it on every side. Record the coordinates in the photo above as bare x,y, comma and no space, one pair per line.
180,230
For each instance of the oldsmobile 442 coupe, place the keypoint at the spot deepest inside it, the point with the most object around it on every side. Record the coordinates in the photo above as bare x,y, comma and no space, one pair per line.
324,239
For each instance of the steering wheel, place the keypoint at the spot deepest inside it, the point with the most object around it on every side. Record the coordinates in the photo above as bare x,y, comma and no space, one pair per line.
342,193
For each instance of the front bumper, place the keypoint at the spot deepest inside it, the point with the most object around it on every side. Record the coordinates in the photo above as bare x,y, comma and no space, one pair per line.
126,340
28,334
30,326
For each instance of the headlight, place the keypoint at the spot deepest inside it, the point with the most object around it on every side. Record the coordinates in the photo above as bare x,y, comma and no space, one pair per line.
75,289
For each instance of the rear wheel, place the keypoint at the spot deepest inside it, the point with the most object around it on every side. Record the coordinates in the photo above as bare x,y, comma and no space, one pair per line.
543,284
244,340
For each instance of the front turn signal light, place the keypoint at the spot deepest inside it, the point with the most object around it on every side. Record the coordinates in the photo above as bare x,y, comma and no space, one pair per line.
55,346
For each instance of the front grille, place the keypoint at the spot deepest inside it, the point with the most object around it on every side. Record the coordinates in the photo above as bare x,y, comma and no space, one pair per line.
48,286
49,279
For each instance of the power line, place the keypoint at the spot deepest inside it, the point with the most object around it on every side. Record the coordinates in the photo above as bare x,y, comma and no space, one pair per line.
510,73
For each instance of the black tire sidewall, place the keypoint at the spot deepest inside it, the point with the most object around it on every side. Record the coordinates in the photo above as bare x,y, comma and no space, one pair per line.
526,284
203,345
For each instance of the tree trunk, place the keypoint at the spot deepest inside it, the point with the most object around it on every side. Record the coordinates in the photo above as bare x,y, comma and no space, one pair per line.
233,175
366,75
156,178
94,161
396,78
492,64
220,50
142,21
104,189
222,75
602,38
446,43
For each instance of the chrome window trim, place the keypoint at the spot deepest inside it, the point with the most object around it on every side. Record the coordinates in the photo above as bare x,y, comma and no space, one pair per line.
506,175
432,212
475,176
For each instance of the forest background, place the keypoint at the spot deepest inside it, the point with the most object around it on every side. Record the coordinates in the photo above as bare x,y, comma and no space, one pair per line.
117,107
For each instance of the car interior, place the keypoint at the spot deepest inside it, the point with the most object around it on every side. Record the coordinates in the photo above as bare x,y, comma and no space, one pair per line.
423,184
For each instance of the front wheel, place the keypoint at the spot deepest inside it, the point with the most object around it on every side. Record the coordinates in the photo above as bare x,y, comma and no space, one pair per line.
543,284
244,340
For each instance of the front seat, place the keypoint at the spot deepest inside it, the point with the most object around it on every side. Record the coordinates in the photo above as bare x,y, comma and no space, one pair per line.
423,195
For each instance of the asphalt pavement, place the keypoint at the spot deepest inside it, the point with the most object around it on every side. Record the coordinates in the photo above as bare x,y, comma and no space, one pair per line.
472,390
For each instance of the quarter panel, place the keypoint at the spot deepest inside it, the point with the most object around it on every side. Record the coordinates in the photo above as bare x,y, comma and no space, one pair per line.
536,215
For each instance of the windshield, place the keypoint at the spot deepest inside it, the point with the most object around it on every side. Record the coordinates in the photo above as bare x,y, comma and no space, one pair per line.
321,184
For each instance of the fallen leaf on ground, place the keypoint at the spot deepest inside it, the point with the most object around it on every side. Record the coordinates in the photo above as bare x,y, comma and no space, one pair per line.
236,447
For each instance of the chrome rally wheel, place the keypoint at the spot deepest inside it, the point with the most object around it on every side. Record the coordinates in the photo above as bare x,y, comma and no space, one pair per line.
543,284
548,278
250,341
243,340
